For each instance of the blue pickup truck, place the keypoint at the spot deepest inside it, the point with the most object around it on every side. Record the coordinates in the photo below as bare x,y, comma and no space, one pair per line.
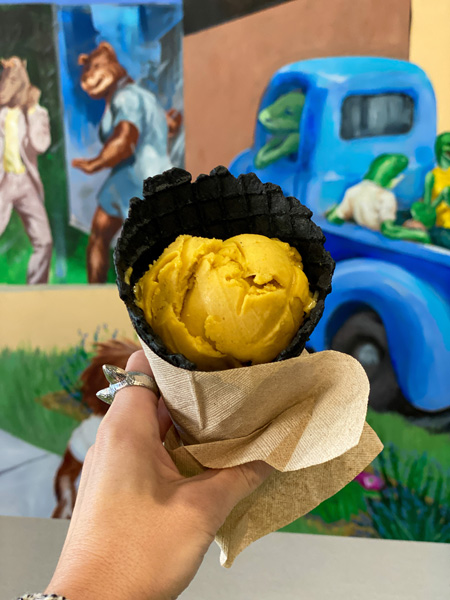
390,305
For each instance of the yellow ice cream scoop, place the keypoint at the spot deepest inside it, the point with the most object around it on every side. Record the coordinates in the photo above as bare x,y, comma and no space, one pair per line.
226,304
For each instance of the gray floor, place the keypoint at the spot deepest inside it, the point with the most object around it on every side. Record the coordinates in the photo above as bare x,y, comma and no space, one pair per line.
281,566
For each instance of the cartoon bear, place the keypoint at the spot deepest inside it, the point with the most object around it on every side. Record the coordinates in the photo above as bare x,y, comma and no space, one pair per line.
134,130
24,134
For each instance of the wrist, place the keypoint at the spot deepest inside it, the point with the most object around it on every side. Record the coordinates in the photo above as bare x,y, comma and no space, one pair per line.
95,164
44,596
80,581
93,582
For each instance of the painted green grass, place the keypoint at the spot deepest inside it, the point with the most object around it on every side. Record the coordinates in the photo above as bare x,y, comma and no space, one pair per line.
415,502
25,375
305,525
346,504
15,251
394,428
351,500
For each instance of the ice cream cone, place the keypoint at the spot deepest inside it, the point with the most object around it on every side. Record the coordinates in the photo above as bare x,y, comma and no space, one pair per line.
303,414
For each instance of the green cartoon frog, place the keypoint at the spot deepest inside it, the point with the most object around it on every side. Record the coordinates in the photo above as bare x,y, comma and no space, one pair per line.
431,215
282,120
435,207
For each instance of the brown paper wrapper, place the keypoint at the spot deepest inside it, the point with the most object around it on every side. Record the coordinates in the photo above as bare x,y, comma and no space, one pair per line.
305,416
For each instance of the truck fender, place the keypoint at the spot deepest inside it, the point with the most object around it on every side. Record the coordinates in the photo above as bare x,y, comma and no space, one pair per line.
416,319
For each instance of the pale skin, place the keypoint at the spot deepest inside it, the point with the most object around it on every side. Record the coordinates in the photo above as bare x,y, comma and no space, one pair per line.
139,529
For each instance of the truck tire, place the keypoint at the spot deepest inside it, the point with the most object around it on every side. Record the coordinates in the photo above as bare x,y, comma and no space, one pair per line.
363,336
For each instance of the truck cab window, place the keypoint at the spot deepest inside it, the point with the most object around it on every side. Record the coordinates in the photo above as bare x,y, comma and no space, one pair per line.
375,115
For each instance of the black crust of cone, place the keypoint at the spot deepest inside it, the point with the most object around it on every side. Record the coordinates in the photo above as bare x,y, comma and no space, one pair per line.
217,205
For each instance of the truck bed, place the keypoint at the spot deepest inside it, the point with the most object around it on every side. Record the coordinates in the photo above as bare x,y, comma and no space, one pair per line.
428,262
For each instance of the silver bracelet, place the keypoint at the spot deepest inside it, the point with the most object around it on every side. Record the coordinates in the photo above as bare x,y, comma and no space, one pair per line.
41,597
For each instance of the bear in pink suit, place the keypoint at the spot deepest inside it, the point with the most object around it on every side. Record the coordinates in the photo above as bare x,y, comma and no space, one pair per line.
24,134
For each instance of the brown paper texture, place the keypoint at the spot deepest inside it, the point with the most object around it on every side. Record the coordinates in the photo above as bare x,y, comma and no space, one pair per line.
304,416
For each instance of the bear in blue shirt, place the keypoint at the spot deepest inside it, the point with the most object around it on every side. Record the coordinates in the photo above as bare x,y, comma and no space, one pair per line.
134,130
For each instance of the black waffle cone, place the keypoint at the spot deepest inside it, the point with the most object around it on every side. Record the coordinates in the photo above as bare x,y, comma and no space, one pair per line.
221,206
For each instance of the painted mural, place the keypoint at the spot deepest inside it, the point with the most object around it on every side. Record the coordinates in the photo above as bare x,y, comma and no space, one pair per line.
355,137
358,146
33,183
90,104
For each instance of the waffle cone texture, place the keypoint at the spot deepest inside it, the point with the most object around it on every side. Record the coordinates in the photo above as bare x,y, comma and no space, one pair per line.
216,206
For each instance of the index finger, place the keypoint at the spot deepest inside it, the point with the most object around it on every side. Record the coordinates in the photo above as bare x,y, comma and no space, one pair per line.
135,408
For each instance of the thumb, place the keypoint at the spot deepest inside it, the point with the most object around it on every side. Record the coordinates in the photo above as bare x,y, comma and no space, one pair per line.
235,483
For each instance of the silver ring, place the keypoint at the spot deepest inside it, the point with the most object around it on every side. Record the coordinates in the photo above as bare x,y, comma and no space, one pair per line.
119,379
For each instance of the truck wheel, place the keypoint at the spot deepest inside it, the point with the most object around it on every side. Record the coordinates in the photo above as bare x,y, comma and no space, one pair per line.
363,336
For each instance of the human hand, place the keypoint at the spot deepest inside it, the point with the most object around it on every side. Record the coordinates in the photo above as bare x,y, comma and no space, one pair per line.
174,119
424,213
140,529
86,165
34,95
332,217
